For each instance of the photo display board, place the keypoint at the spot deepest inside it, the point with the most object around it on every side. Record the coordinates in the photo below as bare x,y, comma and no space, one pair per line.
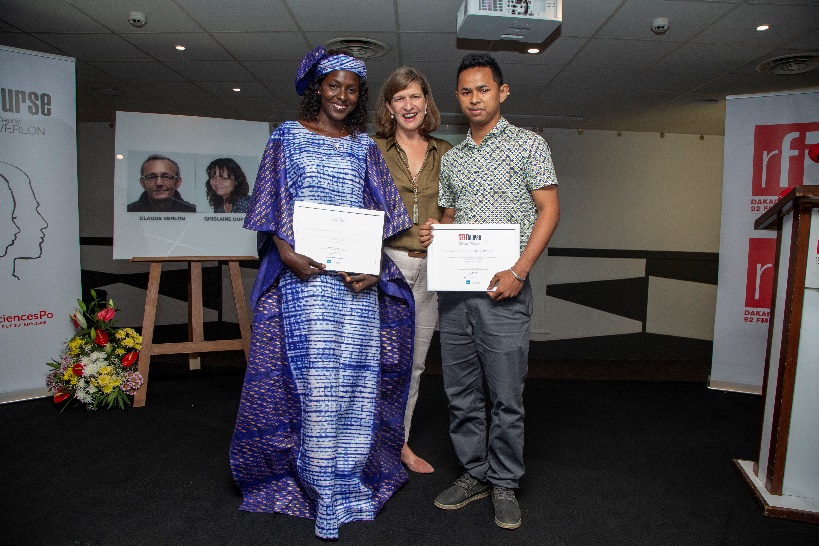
156,217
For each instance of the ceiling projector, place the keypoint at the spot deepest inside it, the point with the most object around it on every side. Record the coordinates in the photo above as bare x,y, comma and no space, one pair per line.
530,21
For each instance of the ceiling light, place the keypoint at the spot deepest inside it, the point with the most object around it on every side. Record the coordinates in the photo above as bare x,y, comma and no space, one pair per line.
533,50
237,89
763,27
120,156
180,47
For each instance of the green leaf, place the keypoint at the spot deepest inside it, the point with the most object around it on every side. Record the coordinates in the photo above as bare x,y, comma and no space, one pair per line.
93,294
82,305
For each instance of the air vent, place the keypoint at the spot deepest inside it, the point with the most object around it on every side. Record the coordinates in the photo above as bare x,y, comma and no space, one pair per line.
797,63
361,48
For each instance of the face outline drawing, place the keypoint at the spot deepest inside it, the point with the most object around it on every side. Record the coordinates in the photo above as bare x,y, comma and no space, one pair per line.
22,228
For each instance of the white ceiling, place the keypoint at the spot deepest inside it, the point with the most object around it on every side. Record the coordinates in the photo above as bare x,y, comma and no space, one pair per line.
603,69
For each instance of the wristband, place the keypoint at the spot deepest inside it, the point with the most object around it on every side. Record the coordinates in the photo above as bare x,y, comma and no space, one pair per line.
518,277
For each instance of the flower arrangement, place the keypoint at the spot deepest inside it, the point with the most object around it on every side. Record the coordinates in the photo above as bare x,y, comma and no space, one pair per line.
95,366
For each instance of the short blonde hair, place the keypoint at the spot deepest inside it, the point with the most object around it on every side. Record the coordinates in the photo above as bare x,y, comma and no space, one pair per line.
400,79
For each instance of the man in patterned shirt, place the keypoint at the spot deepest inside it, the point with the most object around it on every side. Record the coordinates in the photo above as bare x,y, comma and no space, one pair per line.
499,174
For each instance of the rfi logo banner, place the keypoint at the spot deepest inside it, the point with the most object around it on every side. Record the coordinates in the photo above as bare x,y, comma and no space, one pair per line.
767,138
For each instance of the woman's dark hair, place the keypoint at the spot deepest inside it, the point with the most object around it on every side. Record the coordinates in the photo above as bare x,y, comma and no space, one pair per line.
311,102
476,60
399,80
234,171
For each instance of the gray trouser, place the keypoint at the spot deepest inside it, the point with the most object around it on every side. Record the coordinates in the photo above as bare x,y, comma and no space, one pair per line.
483,338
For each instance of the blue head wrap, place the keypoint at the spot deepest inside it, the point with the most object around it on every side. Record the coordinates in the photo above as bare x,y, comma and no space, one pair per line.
317,63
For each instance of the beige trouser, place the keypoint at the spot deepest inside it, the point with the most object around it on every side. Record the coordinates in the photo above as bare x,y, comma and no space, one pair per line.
426,315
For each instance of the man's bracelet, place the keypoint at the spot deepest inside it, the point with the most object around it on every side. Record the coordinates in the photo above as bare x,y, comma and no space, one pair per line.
518,277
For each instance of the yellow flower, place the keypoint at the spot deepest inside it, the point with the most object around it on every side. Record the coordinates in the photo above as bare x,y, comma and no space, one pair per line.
108,382
120,334
120,351
74,346
105,370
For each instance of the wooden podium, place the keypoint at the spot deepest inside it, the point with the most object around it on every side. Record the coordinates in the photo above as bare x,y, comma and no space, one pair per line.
196,343
785,476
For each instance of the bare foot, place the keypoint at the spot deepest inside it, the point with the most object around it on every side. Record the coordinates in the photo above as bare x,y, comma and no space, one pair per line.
414,462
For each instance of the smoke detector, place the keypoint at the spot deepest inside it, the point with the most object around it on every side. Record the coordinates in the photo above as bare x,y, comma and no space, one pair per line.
137,19
660,25
360,48
796,63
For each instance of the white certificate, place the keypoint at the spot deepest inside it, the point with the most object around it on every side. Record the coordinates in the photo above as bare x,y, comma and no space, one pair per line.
343,238
465,257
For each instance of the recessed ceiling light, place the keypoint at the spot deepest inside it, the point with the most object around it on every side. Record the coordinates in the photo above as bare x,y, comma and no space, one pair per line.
180,47
533,50
763,27
120,156
237,89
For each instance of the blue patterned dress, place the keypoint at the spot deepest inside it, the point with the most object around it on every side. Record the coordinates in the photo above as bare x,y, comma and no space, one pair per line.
320,424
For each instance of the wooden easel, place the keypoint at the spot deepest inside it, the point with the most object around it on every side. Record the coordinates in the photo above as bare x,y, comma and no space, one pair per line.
196,336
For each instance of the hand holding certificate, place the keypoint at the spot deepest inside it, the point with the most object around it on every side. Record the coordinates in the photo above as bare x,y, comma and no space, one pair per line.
465,257
343,238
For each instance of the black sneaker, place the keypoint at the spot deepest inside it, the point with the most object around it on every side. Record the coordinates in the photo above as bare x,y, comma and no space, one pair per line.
507,510
465,490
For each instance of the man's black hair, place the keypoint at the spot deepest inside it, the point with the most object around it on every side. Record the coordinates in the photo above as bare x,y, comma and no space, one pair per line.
476,60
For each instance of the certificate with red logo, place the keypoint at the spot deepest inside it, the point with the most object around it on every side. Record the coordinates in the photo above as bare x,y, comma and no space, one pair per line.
465,257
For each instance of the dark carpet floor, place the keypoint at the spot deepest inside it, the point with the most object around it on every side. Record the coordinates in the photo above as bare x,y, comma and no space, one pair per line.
608,462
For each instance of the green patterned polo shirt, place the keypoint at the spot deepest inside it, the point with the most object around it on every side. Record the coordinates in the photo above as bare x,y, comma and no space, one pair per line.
491,183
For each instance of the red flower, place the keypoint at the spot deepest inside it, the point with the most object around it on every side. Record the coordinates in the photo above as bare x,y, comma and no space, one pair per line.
78,319
101,338
77,369
129,358
61,397
106,314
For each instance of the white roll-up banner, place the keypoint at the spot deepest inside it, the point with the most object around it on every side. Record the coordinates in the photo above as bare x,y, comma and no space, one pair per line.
39,222
766,152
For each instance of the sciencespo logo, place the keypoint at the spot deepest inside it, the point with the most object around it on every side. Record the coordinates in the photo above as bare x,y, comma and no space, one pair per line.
25,319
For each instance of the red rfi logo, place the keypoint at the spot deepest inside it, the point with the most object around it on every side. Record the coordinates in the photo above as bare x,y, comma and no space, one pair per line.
781,157
760,277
